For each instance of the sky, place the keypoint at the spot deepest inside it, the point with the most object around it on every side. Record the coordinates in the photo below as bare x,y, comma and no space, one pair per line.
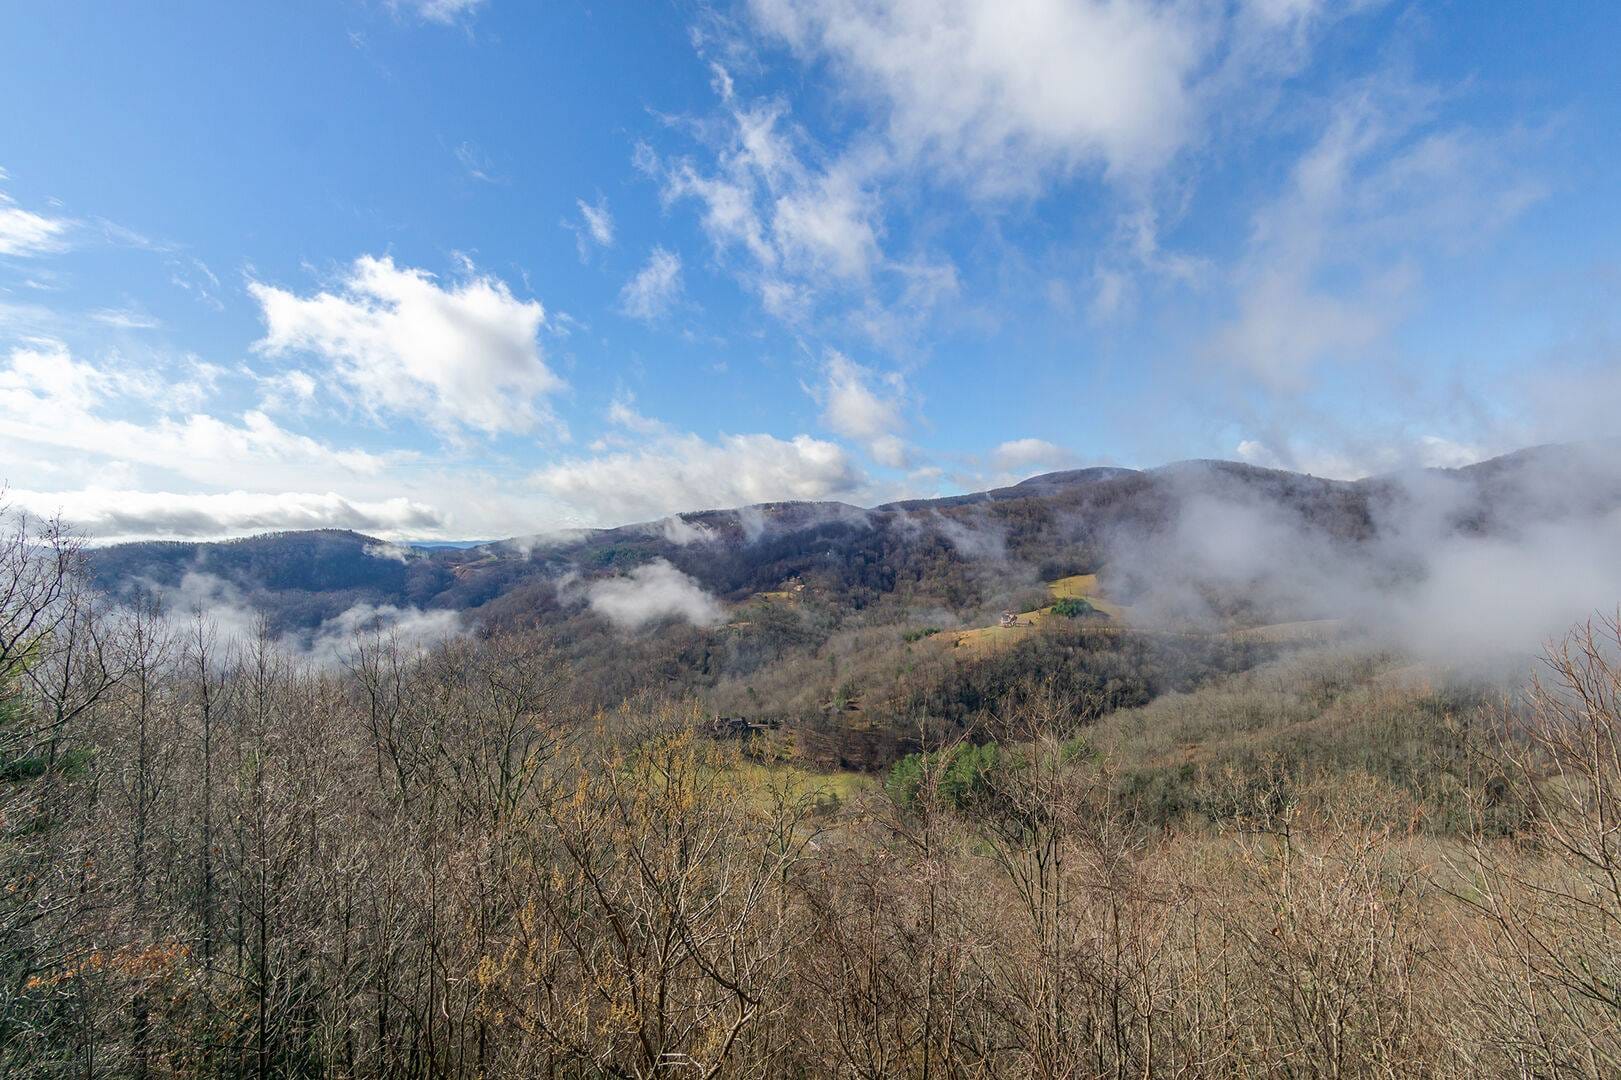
467,269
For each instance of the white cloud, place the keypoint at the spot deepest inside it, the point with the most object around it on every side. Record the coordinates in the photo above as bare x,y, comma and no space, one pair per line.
1024,454
1001,93
1335,262
851,407
1434,452
126,318
50,399
594,227
23,232
999,99
826,228
599,223
802,225
681,532
458,356
622,413
412,627
655,287
111,516
46,377
1005,96
680,472
288,391
1354,463
233,619
653,592
444,12
477,164
1315,461
65,422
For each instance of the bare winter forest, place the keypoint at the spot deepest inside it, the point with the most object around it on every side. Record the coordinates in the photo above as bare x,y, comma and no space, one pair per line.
223,859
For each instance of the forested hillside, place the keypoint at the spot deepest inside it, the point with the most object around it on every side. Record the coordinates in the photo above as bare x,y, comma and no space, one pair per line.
851,630
1100,851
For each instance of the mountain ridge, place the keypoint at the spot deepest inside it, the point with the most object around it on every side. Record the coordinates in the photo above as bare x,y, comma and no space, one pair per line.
939,550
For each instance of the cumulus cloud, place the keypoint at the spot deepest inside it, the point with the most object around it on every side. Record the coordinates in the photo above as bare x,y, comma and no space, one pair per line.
46,376
673,472
112,516
650,593
1024,454
853,408
461,355
655,287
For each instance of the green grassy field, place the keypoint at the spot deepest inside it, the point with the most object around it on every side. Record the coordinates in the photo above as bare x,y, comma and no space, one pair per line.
1074,587
765,778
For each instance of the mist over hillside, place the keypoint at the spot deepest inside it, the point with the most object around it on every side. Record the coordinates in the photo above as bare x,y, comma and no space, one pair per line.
1472,568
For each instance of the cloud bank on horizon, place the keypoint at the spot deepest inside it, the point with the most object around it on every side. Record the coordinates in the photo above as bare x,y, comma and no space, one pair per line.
464,269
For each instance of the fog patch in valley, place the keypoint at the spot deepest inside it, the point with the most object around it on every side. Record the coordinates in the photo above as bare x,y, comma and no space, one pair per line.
234,621
650,593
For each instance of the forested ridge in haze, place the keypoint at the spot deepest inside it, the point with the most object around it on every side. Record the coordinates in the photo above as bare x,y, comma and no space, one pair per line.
776,612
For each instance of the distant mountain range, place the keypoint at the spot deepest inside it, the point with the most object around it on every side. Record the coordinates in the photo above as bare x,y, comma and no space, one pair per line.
953,553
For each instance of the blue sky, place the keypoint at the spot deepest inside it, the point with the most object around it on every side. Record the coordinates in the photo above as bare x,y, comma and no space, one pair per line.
451,269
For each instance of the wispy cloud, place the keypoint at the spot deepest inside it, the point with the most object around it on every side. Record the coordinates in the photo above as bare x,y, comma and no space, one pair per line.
126,318
798,225
24,233
599,223
443,12
49,398
653,291
1336,260
477,164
